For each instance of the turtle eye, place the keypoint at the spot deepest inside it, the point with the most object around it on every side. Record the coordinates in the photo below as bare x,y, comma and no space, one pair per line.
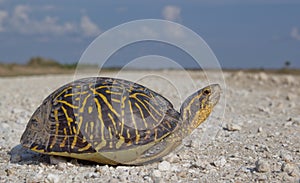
206,92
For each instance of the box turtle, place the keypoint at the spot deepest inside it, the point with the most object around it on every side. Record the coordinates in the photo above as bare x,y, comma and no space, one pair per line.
114,121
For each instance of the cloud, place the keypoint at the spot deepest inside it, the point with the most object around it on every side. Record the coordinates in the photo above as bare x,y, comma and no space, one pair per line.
22,20
295,33
3,17
171,13
88,27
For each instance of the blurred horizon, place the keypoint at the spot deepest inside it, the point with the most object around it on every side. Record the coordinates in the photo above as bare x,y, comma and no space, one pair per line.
248,34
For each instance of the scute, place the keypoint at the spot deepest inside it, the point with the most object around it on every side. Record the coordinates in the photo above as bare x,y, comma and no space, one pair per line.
99,115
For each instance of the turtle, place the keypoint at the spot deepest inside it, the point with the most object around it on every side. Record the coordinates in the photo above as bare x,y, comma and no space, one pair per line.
114,121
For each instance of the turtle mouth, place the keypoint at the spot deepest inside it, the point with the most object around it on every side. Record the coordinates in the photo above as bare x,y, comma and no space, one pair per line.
215,94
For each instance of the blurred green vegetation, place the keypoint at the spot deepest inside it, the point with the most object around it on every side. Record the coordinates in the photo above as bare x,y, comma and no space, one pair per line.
39,65
44,62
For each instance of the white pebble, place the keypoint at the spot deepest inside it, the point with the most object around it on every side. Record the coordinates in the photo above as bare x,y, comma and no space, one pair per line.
92,175
220,162
156,173
52,178
262,166
233,127
290,169
285,156
164,166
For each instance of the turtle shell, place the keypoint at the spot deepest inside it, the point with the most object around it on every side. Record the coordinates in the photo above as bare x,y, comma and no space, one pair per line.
99,114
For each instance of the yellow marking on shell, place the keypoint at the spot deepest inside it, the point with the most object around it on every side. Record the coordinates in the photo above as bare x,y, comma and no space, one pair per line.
69,120
137,137
111,137
153,108
106,102
129,143
108,86
77,98
122,114
73,94
84,103
113,93
116,100
74,130
142,115
146,109
101,145
84,139
86,128
56,128
78,130
127,133
110,133
120,142
85,147
92,124
68,104
155,134
63,143
35,148
64,90
151,114
148,132
113,121
140,94
90,109
168,124
103,141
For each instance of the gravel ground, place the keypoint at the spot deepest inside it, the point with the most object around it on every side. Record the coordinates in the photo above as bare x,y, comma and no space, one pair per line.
257,139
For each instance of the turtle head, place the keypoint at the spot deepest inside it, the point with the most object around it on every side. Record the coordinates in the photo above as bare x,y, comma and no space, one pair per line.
197,107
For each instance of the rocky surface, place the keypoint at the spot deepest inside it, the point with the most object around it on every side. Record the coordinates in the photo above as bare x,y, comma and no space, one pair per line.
253,137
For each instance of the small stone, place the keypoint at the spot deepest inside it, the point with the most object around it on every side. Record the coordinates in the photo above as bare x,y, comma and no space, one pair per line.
290,80
52,178
262,166
290,169
287,178
114,180
232,127
262,178
296,121
262,76
61,166
290,97
260,129
164,166
9,172
156,173
92,175
220,162
173,158
285,156
199,163
182,174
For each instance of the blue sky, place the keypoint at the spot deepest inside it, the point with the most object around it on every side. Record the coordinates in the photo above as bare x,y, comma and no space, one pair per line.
242,34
